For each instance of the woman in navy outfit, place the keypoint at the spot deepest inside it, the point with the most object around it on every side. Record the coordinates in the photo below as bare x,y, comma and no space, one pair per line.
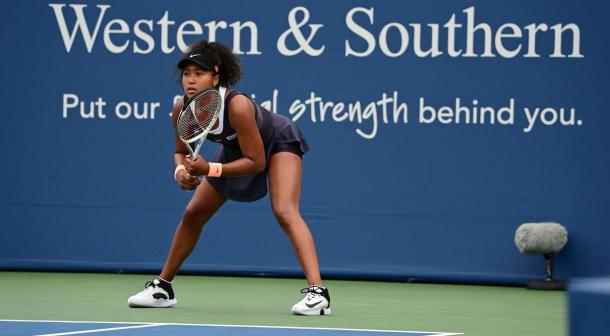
258,148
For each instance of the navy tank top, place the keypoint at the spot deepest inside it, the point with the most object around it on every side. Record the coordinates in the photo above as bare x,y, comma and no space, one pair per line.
273,128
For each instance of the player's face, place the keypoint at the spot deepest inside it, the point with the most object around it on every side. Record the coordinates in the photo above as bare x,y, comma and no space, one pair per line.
196,78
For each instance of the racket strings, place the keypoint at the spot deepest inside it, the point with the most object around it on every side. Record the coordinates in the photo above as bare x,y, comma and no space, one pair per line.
199,116
188,128
205,110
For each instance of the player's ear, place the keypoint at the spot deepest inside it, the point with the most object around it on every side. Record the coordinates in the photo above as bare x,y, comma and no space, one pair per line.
216,79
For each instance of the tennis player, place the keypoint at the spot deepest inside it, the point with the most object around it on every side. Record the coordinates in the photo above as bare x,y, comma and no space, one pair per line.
257,147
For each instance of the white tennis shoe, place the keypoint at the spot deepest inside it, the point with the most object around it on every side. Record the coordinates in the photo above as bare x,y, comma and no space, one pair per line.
156,294
315,302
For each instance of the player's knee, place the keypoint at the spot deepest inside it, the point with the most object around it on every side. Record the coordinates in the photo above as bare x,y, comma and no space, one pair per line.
193,216
286,215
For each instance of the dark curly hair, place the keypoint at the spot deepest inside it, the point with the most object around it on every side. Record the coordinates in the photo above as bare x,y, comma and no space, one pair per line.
229,69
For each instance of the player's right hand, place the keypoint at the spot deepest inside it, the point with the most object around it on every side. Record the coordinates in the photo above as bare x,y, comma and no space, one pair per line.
187,181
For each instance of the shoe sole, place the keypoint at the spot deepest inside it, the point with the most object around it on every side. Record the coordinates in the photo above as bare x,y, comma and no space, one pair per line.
165,304
316,312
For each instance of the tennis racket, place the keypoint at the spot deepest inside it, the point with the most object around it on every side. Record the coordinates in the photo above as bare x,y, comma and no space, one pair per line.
197,118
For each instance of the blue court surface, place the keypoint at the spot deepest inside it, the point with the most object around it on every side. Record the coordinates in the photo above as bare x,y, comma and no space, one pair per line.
57,328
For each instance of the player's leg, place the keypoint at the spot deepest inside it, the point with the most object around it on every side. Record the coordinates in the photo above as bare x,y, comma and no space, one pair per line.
285,173
204,203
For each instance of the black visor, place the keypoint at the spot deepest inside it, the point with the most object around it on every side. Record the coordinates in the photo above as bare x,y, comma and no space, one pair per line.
201,59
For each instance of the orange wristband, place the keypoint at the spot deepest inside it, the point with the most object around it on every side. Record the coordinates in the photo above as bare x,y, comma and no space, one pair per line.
215,169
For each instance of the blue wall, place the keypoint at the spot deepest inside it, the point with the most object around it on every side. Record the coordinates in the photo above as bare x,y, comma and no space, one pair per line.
421,196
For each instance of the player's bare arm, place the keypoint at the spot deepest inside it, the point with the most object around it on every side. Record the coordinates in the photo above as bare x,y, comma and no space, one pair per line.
242,119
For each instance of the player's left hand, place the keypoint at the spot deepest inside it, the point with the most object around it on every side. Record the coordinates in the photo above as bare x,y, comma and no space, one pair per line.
198,167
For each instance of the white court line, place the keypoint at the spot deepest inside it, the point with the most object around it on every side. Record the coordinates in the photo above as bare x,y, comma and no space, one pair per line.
147,324
102,330
436,333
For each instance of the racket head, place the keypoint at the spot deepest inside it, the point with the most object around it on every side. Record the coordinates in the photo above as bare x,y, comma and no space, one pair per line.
205,106
197,118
